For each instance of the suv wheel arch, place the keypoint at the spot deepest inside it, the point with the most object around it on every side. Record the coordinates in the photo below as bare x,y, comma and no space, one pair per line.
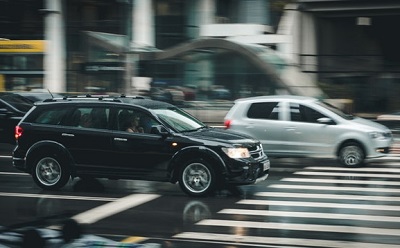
187,154
44,148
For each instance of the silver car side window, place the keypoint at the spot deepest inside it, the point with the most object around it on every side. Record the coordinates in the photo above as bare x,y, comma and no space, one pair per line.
301,113
264,110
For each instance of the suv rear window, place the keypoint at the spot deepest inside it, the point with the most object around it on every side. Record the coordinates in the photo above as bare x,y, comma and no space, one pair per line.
264,110
52,117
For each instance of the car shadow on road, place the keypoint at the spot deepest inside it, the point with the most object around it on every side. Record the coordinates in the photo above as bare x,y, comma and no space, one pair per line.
88,185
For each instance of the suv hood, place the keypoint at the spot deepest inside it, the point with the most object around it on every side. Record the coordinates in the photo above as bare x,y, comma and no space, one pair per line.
223,136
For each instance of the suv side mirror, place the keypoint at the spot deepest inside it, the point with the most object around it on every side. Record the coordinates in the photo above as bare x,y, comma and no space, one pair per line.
159,129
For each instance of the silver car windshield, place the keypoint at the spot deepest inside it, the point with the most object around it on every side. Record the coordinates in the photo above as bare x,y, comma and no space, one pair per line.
335,110
178,120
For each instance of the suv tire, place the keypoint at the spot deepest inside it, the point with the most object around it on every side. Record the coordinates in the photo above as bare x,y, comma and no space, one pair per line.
351,155
197,178
50,172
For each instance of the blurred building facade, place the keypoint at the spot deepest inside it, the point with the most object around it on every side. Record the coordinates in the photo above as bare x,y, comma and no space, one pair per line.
204,50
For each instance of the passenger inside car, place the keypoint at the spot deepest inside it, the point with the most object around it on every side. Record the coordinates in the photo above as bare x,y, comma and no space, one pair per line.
134,125
86,121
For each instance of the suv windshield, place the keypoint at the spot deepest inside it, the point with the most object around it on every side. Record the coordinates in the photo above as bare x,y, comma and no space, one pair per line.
178,119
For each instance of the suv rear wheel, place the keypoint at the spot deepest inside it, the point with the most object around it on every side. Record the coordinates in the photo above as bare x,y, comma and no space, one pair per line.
351,155
50,173
197,178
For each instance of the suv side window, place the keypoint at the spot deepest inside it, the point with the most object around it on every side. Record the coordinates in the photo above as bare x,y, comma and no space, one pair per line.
303,113
90,117
51,116
134,121
264,110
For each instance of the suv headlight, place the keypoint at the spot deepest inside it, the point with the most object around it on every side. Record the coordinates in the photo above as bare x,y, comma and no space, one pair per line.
376,135
237,152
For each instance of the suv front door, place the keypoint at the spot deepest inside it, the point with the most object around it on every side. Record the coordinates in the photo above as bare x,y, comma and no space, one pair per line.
140,154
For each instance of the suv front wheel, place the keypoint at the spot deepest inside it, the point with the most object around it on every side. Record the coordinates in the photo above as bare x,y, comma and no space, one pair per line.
197,178
50,173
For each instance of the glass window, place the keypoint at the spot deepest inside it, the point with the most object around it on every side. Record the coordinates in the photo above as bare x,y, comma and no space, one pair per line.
18,102
264,110
134,121
303,113
90,117
51,117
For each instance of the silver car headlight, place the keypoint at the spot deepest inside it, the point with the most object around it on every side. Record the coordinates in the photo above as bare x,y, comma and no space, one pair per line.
376,135
237,152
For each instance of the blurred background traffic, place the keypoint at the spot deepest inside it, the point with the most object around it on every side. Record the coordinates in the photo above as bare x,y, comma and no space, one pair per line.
203,54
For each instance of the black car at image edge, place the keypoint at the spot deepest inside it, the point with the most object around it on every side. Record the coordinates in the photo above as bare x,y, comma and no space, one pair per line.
87,137
13,106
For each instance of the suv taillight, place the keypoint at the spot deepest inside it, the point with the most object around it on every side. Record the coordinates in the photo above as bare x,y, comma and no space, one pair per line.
227,124
18,132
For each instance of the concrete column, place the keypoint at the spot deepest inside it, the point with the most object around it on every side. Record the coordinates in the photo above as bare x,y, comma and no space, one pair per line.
143,23
54,59
199,12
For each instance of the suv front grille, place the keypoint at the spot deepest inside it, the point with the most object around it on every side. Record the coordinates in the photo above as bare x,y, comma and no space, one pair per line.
256,152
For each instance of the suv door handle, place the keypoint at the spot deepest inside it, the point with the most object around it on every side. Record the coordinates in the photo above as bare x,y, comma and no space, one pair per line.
67,135
290,128
120,139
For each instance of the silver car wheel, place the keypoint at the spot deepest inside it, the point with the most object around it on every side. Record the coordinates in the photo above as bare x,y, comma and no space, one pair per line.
48,171
196,178
351,155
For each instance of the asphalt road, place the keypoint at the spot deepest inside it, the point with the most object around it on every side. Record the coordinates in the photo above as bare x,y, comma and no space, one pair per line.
303,203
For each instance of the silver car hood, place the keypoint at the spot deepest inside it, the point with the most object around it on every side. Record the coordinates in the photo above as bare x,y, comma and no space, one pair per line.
370,124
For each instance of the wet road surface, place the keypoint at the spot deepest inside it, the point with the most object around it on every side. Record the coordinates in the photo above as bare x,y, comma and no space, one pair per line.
303,203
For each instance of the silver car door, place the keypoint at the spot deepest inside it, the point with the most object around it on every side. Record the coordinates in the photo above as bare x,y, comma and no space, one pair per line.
305,135
263,122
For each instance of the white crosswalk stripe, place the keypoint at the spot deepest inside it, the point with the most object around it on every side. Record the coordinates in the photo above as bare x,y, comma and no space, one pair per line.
322,203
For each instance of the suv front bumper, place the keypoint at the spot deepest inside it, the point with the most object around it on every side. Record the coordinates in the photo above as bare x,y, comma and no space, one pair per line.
251,173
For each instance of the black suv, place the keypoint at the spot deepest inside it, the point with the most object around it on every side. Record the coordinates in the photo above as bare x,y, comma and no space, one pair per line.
87,137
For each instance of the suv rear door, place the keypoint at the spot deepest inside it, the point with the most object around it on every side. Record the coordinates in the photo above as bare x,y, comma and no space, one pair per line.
90,144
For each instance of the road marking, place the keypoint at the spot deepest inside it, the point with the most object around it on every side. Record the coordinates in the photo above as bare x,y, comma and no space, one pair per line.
15,173
108,209
359,217
329,196
3,156
340,181
301,227
362,169
239,239
320,205
63,197
337,188
315,173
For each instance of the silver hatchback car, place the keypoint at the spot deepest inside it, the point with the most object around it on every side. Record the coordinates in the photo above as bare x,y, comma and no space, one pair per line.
296,126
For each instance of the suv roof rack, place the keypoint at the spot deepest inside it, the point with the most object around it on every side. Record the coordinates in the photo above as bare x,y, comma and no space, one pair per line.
94,97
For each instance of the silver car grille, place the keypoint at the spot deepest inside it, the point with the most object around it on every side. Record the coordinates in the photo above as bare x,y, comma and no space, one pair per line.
388,135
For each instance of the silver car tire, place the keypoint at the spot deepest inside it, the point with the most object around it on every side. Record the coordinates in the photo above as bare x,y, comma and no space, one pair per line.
49,173
197,178
351,155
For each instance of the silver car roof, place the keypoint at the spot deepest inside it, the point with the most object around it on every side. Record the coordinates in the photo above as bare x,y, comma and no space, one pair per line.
277,97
